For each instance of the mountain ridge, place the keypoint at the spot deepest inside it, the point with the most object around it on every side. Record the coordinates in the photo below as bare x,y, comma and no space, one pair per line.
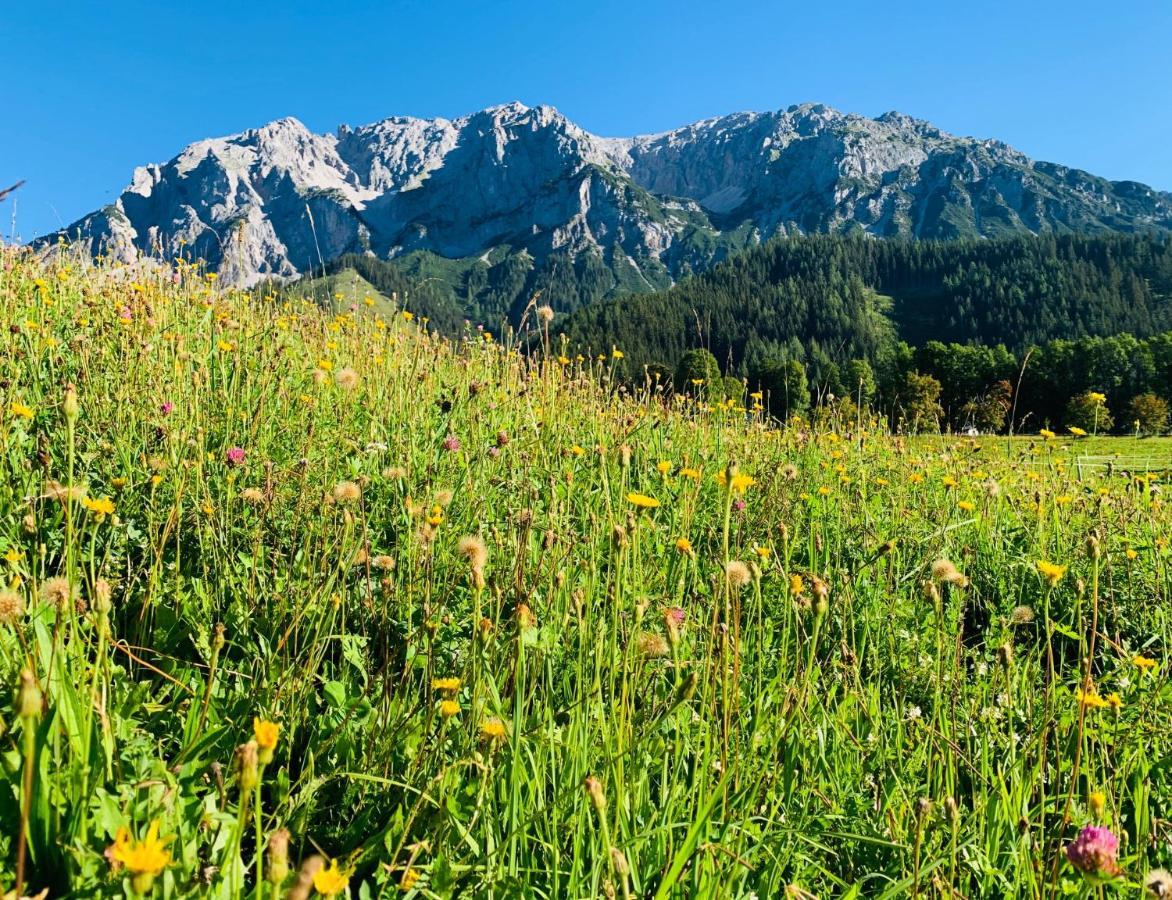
279,201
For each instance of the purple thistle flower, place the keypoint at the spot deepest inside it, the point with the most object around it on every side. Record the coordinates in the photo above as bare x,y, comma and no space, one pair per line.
739,505
1094,851
494,452
451,443
166,407
235,456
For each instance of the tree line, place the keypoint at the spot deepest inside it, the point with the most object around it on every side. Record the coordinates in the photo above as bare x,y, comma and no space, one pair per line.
974,333
1097,384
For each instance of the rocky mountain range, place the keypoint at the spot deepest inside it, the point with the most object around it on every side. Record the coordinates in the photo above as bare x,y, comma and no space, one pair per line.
528,190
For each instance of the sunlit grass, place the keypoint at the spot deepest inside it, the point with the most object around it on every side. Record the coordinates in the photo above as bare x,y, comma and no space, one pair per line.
437,619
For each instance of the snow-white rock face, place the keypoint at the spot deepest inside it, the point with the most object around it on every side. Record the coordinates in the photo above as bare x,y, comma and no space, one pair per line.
282,201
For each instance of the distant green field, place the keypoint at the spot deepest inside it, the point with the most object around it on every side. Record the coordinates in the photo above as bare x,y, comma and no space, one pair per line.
340,291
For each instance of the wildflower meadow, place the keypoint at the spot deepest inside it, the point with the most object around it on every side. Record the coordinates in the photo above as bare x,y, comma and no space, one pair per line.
303,601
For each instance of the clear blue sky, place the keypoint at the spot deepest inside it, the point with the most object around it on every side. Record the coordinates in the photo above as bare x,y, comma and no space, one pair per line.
94,89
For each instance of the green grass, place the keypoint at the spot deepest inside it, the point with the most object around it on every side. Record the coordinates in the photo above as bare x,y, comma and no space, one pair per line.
851,680
341,291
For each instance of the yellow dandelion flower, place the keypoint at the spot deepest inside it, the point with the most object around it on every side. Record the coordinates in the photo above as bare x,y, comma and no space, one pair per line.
642,501
408,879
103,507
1091,699
492,729
329,880
1145,663
266,733
449,708
1052,572
449,685
740,481
144,859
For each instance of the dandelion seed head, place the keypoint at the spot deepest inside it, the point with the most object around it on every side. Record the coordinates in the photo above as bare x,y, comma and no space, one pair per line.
347,492
737,573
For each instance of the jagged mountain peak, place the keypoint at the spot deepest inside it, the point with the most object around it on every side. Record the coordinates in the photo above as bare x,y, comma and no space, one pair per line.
530,179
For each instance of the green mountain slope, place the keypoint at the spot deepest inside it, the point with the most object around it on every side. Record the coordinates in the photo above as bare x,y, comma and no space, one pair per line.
823,299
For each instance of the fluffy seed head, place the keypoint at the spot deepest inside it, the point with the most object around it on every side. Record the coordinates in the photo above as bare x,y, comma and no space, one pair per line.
474,551
347,379
944,571
737,573
347,492
652,645
11,607
1021,615
59,592
1159,883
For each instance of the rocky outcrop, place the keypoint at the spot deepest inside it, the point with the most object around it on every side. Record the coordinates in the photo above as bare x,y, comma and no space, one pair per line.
281,201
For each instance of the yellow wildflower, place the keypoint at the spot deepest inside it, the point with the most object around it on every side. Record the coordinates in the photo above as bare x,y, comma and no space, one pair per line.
1052,572
329,880
144,859
103,507
1091,699
492,729
265,733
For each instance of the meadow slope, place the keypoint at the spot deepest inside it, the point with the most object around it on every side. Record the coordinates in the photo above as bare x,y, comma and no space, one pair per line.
300,601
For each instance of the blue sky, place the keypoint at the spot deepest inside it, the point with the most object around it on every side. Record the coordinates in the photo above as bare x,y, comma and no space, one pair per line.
94,89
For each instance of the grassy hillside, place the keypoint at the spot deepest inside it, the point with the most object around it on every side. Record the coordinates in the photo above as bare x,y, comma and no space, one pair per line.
304,601
340,292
